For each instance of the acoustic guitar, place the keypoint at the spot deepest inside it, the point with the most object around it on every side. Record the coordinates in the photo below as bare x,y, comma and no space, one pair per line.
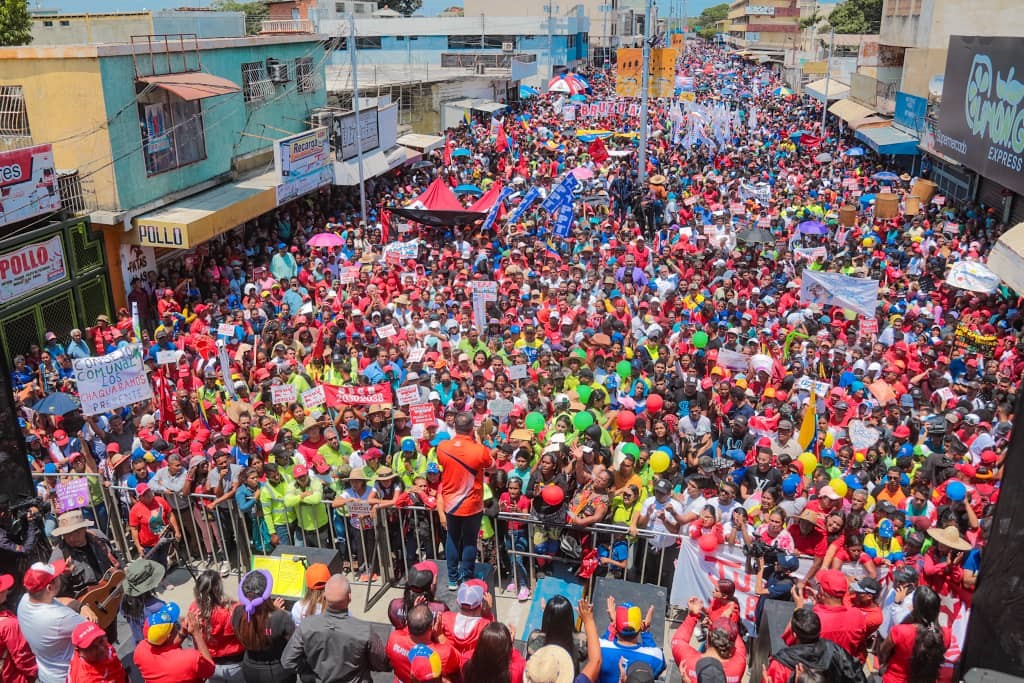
104,598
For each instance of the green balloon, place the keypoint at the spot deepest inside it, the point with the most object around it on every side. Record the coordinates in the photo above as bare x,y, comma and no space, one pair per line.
631,449
582,420
623,369
580,353
535,422
700,339
584,392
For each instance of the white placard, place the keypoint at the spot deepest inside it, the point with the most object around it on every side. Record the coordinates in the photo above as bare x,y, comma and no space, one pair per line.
359,508
385,331
226,330
806,384
314,397
416,354
408,395
112,381
168,357
282,393
518,372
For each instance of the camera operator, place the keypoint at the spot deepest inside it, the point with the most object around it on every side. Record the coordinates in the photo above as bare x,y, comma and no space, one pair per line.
774,580
22,540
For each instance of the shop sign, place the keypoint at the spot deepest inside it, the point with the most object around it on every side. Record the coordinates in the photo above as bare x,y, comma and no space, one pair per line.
981,122
302,163
136,261
910,111
347,135
31,267
760,10
28,183
168,236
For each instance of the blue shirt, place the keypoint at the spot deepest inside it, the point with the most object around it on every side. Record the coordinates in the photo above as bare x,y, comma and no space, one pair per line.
645,651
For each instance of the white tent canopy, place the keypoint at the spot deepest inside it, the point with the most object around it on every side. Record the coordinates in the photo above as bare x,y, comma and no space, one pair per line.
1007,258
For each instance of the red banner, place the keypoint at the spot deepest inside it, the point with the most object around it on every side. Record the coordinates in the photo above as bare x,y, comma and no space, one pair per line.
374,394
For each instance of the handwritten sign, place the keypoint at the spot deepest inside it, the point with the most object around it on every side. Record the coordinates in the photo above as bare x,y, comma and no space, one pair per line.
168,357
226,330
408,395
359,508
518,372
386,331
73,493
416,354
314,397
282,393
112,381
422,414
348,274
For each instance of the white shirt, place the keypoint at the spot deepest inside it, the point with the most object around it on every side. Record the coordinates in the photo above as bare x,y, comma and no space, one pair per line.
47,629
654,522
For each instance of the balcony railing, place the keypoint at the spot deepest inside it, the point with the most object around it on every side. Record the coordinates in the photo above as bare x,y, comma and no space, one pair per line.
472,60
286,26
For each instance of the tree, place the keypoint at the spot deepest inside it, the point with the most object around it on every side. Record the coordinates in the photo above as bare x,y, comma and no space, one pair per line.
255,13
857,16
404,7
713,14
15,23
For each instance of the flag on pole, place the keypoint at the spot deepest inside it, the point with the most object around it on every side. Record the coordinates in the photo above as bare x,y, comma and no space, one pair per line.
598,152
809,425
501,144
447,157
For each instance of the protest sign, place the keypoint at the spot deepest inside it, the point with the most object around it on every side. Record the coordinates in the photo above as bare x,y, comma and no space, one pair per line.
422,414
373,394
834,289
811,253
408,395
168,357
386,331
314,397
807,384
733,360
359,508
416,354
112,381
282,393
966,340
561,194
690,201
517,372
869,326
348,274
72,493
226,330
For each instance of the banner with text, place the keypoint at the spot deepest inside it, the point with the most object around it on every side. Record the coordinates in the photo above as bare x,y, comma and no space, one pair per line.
374,394
112,381
834,289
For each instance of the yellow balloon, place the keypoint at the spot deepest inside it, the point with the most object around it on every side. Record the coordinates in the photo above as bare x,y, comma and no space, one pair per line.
858,457
868,242
809,462
839,486
659,461
830,439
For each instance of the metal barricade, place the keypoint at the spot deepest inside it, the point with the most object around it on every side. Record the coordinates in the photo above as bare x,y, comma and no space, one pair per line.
103,512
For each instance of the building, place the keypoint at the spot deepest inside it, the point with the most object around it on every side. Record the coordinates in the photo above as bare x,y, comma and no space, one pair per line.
765,28
164,143
55,28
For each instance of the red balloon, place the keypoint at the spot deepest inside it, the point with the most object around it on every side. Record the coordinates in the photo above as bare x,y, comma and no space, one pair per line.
707,543
552,495
625,419
655,403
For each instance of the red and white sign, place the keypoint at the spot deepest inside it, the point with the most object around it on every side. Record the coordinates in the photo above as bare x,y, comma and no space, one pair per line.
282,393
374,394
28,183
31,267
348,274
422,414
869,326
407,395
314,397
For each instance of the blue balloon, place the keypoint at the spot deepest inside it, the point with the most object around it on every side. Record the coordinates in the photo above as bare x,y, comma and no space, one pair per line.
956,491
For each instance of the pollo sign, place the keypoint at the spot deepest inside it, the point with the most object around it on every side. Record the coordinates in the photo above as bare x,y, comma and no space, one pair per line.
31,267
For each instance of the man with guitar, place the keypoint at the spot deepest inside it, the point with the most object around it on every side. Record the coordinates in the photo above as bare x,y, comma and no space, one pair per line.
92,561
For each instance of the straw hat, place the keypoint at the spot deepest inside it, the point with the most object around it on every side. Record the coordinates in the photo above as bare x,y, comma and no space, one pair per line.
309,423
949,537
73,520
658,180
549,664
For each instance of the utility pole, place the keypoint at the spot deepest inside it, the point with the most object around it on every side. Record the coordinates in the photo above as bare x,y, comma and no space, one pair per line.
828,77
604,32
645,83
355,107
551,42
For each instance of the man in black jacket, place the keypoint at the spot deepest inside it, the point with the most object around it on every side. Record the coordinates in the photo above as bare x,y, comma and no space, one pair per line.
813,653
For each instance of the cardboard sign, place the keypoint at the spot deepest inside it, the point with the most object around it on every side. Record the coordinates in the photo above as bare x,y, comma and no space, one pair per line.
282,393
422,414
168,357
518,372
408,395
226,330
386,331
314,397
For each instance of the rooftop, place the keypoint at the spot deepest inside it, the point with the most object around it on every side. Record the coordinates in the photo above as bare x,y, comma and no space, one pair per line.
126,49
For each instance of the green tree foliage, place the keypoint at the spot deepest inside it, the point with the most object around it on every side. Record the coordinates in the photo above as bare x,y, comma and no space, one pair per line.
713,14
15,23
857,16
255,12
404,7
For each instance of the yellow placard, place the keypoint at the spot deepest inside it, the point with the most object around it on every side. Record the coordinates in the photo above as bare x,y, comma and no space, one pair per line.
687,96
628,68
663,72
678,42
288,572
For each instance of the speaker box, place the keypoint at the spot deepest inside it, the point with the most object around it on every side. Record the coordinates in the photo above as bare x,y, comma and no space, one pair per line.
328,556
774,620
643,595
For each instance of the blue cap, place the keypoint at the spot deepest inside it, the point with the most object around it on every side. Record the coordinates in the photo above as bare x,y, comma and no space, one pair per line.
788,563
480,396
439,437
885,529
168,614
408,445
433,468
282,245
790,484
50,468
736,455
514,329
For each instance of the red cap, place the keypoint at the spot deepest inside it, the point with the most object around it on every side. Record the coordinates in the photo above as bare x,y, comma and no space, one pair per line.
6,581
61,437
113,448
833,582
85,634
146,435
989,457
764,442
141,489
319,464
300,471
901,432
40,575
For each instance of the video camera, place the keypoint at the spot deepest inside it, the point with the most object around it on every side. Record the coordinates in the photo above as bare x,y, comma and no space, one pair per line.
768,554
20,515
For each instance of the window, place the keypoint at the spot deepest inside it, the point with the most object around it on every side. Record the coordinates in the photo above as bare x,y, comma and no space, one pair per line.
64,22
255,84
339,8
368,43
400,39
13,115
463,42
570,42
305,77
172,131
47,23
498,42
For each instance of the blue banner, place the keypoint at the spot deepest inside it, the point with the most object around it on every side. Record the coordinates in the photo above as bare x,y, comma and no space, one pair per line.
561,194
529,199
563,226
493,213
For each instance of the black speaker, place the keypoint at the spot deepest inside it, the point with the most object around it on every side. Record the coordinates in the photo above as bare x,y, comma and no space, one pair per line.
643,595
328,556
774,620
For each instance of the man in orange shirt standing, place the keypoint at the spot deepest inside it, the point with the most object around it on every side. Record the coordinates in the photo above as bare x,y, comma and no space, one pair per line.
461,497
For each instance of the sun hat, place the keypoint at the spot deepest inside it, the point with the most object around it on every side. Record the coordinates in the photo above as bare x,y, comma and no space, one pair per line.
949,537
549,664
142,576
72,520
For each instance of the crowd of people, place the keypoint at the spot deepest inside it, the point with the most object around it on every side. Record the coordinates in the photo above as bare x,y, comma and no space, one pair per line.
651,378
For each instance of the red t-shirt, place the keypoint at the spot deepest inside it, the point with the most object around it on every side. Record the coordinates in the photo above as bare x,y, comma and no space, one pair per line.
845,626
463,632
171,664
399,644
108,671
462,463
150,520
814,543
903,637
220,634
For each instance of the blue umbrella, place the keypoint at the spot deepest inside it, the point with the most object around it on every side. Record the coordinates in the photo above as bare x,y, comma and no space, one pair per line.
796,135
461,152
886,176
57,403
468,189
812,228
578,98
855,152
526,92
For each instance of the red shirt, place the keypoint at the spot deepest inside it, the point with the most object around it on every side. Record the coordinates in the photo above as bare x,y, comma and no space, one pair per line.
462,463
17,664
903,637
150,520
170,663
814,543
109,670
399,644
845,626
220,634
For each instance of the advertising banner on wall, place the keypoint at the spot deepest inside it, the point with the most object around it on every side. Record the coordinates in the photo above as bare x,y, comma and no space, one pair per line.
302,163
663,72
981,122
30,267
345,133
28,183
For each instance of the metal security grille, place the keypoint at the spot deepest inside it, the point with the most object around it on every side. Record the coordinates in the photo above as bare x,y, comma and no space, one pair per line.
58,315
87,253
94,298
19,331
13,115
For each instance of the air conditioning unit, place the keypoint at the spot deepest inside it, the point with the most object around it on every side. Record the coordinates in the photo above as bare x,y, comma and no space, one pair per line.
508,47
278,73
322,118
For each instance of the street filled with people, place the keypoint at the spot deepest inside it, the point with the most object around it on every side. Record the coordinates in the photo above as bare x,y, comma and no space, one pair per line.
582,369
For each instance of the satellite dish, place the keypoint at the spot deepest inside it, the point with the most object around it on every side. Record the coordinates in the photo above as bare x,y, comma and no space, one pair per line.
935,85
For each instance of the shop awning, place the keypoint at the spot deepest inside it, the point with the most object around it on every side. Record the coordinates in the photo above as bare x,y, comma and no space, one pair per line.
872,121
848,110
1007,257
837,90
420,142
375,164
187,223
489,106
193,85
889,140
